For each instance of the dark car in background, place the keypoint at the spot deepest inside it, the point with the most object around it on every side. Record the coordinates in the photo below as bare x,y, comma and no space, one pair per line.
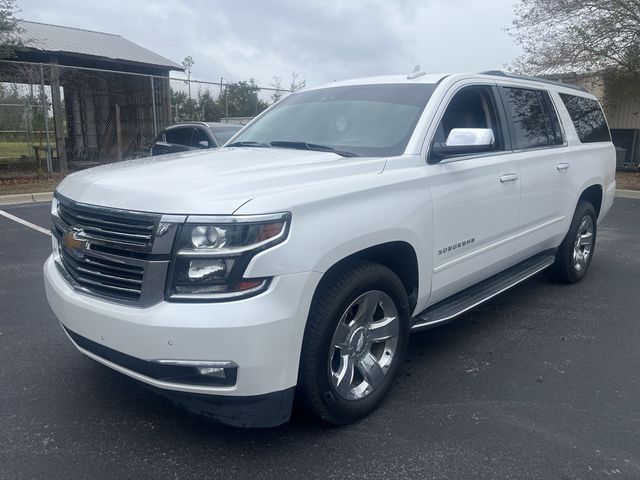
192,136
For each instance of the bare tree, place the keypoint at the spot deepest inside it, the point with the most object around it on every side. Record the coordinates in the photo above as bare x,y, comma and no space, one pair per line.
277,84
578,35
187,64
9,29
295,83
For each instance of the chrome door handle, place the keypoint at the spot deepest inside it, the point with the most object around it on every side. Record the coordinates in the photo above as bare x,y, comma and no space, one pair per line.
509,177
563,166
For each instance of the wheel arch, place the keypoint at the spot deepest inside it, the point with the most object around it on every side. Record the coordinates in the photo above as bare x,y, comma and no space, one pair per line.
594,195
398,255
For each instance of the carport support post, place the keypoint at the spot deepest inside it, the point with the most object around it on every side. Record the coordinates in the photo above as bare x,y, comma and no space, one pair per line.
57,116
45,114
153,106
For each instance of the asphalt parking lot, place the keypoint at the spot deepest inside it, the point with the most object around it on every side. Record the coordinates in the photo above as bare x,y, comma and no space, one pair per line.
541,382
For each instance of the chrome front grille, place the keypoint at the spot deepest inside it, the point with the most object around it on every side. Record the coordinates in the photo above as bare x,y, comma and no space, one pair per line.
117,255
104,277
117,228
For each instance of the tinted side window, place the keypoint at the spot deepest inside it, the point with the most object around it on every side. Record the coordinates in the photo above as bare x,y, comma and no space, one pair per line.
587,117
553,124
471,107
179,136
224,134
530,126
199,135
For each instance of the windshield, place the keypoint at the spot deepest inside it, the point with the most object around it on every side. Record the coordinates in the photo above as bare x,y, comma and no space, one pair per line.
363,120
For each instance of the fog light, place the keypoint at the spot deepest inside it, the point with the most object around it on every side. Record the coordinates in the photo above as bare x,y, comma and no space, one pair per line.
198,372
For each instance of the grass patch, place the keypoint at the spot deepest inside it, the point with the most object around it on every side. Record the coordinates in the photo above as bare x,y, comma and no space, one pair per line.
15,150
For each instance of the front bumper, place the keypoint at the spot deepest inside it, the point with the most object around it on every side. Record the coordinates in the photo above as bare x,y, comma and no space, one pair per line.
262,335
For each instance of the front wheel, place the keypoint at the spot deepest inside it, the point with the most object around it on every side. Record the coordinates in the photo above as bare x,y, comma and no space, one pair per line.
576,251
355,342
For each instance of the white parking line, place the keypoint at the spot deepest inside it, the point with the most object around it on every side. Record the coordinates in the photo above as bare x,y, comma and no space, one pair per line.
25,223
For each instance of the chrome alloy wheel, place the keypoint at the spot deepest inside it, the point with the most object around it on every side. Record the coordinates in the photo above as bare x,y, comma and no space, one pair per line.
364,345
583,244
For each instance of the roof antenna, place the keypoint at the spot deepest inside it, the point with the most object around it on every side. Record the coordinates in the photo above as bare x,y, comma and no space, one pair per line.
416,73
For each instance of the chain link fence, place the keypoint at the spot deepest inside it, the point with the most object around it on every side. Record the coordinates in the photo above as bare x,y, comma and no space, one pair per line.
55,119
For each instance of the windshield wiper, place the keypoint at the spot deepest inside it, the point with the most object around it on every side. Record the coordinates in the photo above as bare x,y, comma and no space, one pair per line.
311,146
248,144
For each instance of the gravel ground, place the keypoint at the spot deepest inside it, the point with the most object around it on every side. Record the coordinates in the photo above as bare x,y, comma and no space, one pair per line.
628,180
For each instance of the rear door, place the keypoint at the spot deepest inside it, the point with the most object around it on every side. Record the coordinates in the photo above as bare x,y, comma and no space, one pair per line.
475,198
540,147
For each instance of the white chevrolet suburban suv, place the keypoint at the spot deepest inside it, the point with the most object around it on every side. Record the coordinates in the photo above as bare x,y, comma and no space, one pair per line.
296,260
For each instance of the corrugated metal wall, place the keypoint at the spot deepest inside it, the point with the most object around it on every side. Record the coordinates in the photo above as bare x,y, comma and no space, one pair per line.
621,113
625,114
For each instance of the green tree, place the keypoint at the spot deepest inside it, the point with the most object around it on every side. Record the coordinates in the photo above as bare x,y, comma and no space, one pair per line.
186,108
241,99
578,35
210,107
236,100
10,30
12,108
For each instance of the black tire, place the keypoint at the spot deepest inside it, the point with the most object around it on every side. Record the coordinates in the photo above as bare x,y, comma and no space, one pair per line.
334,296
564,269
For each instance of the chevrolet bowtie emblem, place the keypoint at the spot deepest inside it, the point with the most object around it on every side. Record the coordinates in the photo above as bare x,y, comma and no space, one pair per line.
75,242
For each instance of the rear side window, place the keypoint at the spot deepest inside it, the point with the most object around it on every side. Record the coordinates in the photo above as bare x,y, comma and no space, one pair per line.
553,124
587,117
179,136
532,119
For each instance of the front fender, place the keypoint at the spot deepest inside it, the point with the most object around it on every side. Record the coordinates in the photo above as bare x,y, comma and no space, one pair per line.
326,231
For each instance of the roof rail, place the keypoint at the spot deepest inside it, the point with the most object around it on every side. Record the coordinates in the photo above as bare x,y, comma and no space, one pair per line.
500,73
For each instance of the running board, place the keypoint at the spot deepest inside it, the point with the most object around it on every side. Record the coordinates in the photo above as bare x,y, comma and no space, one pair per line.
473,296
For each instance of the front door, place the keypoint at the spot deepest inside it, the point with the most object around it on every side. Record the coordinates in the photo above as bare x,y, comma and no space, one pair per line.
475,197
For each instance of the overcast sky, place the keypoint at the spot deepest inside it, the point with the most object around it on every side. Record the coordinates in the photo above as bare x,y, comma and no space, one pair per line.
324,40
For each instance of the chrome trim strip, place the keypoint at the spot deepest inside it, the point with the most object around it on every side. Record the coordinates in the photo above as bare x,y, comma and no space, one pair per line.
173,218
113,211
199,363
418,326
216,219
496,244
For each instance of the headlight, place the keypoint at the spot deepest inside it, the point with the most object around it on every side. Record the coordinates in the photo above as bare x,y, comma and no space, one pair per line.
212,254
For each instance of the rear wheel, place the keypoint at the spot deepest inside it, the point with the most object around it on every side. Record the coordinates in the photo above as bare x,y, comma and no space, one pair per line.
576,251
354,343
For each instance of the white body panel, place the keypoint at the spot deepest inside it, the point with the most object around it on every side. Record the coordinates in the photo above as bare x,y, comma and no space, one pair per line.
339,206
471,204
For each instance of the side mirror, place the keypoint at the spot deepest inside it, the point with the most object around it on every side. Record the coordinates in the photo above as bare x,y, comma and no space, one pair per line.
465,141
203,144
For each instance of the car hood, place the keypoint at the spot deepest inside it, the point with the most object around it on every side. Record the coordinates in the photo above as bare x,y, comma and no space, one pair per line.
209,182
